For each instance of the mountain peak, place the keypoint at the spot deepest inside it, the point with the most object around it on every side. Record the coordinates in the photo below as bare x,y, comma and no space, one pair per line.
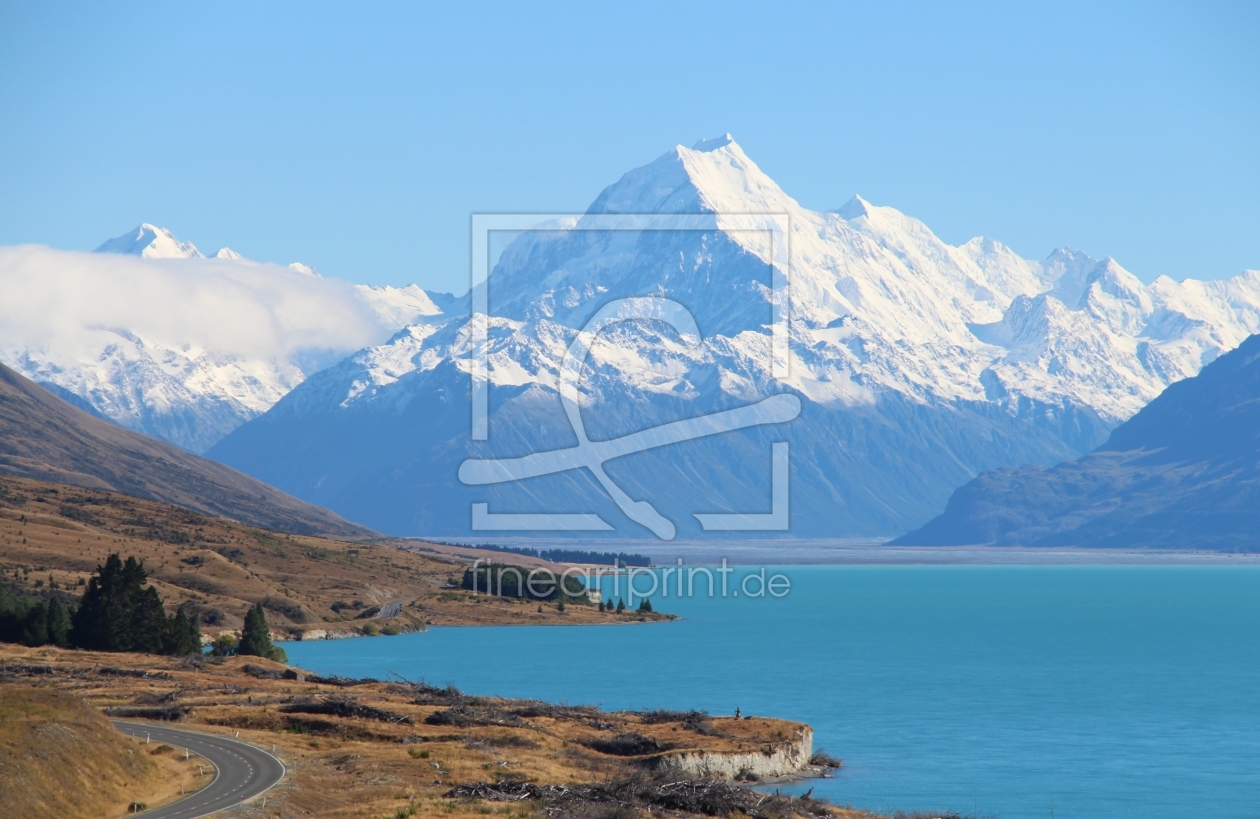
150,242
228,254
715,144
714,176
854,208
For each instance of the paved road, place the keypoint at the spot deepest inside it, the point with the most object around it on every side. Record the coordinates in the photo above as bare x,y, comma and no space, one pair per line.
391,609
243,771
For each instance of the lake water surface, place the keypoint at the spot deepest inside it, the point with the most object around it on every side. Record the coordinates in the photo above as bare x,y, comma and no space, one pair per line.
1012,691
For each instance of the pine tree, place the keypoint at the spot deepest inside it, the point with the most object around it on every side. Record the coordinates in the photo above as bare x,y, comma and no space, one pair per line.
98,624
35,626
58,623
183,634
621,605
645,606
256,638
148,623
194,633
118,613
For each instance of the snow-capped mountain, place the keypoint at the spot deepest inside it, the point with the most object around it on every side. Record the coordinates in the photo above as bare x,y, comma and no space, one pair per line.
152,242
149,333
920,364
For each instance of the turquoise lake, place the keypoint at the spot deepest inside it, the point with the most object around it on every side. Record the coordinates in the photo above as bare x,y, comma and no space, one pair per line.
1009,691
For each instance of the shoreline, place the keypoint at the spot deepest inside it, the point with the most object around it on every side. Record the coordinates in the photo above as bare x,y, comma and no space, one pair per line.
873,552
670,618
438,750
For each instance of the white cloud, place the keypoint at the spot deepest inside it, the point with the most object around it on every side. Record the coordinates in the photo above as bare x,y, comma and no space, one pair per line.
49,298
184,349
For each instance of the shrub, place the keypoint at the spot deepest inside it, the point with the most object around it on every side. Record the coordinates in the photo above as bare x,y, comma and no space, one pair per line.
824,760
224,645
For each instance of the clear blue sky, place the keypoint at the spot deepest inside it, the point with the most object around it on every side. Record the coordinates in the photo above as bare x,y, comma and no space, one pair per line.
359,137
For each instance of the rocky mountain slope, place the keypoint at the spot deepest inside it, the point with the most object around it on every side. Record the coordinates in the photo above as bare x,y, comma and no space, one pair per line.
1184,473
148,332
45,438
919,365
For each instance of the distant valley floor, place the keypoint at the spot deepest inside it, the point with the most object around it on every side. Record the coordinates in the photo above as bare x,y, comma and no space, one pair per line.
872,551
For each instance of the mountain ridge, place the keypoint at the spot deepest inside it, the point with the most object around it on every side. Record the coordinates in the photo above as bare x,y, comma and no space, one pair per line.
44,438
1180,474
920,365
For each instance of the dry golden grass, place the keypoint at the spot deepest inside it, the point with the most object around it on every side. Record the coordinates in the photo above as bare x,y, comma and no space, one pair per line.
61,757
222,567
373,766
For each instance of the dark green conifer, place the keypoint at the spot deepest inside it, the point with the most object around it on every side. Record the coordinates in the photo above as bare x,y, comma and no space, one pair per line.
118,613
148,623
256,638
183,636
98,623
35,626
58,623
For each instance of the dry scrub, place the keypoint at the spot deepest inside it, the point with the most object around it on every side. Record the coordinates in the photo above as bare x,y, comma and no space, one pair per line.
375,749
308,585
60,757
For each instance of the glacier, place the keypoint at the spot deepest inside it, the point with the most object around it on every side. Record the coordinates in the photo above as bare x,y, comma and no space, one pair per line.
919,365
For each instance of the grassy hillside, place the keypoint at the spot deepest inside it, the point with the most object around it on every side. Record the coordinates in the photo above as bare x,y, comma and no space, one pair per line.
46,438
53,533
372,750
60,757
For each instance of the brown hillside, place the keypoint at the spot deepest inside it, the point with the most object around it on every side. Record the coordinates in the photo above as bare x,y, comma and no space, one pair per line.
222,567
60,757
43,437
371,750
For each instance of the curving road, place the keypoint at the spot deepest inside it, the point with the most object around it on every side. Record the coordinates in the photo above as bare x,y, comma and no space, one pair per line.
393,608
242,771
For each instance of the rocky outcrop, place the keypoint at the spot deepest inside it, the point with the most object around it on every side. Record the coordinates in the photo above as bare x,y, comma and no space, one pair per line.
768,762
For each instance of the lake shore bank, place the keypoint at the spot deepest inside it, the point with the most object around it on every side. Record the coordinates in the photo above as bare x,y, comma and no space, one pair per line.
366,748
873,552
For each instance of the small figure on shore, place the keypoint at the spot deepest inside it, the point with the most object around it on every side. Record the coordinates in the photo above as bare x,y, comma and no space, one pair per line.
737,712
